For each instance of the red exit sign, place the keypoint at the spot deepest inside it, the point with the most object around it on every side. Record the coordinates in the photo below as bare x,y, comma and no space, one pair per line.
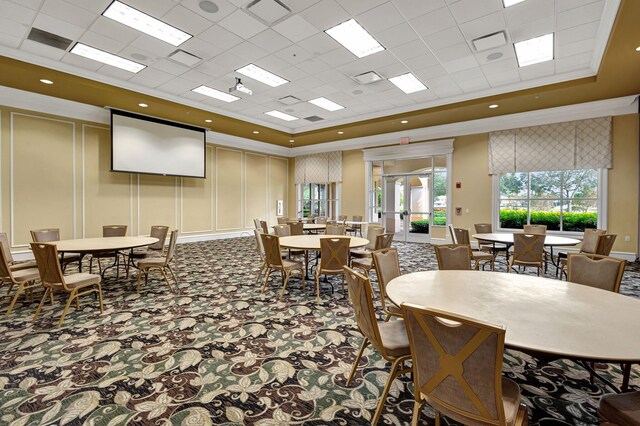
404,141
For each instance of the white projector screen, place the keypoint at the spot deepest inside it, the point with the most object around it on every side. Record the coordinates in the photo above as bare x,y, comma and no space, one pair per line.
150,145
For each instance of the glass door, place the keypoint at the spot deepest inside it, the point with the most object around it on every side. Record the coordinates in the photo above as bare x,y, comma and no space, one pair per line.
407,206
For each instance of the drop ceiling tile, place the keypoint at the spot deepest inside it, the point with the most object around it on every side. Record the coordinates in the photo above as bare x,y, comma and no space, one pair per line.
529,11
228,61
474,85
422,61
571,49
130,51
564,5
220,37
177,86
68,13
272,63
572,63
241,24
580,15
470,74
313,66
13,30
468,10
327,90
447,91
445,38
380,18
300,5
294,55
79,61
155,8
31,4
484,26
318,44
114,72
505,51
224,9
57,26
240,3
542,69
17,13
153,45
338,57
409,50
9,40
533,29
151,77
427,74
414,8
379,59
356,7
500,73
295,28
170,67
577,33
112,29
396,36
460,64
392,70
197,77
333,75
310,82
451,53
433,22
270,41
248,51
292,74
101,42
95,6
186,20
325,14
200,48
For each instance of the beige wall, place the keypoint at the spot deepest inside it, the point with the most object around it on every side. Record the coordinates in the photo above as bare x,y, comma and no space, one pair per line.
54,172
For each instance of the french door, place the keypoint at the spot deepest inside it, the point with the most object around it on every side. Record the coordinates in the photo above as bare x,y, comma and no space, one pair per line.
407,206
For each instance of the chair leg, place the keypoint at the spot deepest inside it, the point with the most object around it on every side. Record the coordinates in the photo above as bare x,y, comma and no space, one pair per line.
15,298
138,287
91,265
437,418
164,275
100,298
175,279
392,376
365,343
417,408
343,276
317,285
266,279
72,296
284,284
44,297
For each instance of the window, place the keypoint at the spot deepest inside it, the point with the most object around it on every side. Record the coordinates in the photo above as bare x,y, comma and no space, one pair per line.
567,201
320,199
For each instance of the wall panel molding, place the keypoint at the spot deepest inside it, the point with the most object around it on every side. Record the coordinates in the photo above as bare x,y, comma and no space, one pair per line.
241,206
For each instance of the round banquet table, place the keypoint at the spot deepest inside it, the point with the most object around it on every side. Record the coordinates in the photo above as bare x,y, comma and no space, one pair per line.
314,227
541,315
85,246
312,242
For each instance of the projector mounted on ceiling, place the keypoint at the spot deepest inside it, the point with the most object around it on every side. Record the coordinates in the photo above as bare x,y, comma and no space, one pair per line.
239,87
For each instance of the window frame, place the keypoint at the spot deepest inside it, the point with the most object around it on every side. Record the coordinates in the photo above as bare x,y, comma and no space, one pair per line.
312,200
601,204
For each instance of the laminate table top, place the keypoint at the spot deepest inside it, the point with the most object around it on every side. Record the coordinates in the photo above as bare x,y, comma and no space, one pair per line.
507,238
312,242
540,314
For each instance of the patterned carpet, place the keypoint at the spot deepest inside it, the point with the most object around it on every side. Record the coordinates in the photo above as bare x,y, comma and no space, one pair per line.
218,352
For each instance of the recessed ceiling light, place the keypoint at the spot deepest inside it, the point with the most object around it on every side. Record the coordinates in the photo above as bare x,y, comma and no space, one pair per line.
535,50
508,3
326,104
262,75
208,121
281,115
354,38
292,140
340,133
143,105
638,49
106,58
408,83
147,24
404,121
216,94
45,81
256,132
493,106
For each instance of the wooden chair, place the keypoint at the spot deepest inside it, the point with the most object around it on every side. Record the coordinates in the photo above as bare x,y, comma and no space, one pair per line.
528,250
285,231
620,409
535,229
282,230
596,271
334,256
342,219
296,228
161,263
461,236
605,244
275,262
283,220
50,235
321,221
389,338
152,250
335,230
357,227
264,226
256,224
387,267
25,278
4,241
372,233
107,232
53,280
589,245
366,263
457,369
453,257
487,228
260,249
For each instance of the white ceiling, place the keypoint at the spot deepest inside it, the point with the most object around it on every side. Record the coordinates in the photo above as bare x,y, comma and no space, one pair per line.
431,38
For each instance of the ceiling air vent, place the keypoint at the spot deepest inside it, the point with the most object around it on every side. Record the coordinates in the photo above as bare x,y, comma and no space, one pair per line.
367,77
184,58
490,41
313,118
269,12
50,39
289,100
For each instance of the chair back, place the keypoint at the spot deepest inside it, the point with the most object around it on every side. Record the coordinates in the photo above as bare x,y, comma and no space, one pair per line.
311,216
256,224
160,232
259,246
321,220
296,228
357,218
595,271
342,218
372,236
45,235
4,241
590,240
528,248
384,240
453,257
535,229
283,220
483,228
335,230
171,250
452,232
46,256
462,236
271,244
114,230
5,269
457,364
282,230
361,297
334,253
387,266
264,226
605,244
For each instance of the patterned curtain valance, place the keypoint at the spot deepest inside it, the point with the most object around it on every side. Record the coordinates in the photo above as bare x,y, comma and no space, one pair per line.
571,145
319,168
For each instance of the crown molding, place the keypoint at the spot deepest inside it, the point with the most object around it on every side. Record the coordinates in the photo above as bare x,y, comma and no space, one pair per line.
439,147
607,20
247,144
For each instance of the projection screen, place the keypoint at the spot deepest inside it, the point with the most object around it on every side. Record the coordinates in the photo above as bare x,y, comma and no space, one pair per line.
141,144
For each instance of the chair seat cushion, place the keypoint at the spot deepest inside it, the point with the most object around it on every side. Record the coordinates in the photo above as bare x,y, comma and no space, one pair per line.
393,310
360,253
143,254
480,255
291,265
393,335
81,280
70,257
622,409
29,274
364,263
151,262
23,265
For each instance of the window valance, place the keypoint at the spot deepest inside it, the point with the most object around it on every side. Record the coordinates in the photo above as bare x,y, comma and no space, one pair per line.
319,168
584,144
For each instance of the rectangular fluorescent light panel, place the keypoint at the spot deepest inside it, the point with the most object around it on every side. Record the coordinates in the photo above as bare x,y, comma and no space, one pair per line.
106,58
508,3
408,83
535,50
216,94
355,38
326,104
281,115
147,24
262,75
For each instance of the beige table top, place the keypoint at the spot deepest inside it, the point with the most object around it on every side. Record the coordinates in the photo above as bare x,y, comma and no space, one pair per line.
507,238
313,226
540,314
88,245
312,242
